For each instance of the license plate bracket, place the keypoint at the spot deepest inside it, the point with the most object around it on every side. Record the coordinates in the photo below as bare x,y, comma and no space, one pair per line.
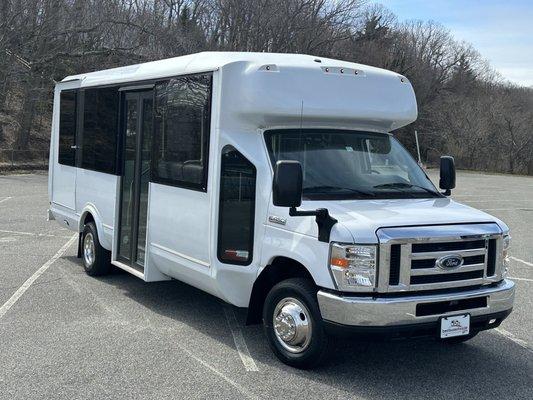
454,325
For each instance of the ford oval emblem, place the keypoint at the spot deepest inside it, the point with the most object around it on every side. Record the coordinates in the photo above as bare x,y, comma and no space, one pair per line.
450,261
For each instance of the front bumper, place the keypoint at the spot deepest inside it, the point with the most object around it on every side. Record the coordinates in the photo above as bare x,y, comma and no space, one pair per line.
415,309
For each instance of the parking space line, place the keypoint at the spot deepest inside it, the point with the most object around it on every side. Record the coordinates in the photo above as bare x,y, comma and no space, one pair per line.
32,234
521,279
500,209
522,261
510,336
248,394
238,338
6,199
26,285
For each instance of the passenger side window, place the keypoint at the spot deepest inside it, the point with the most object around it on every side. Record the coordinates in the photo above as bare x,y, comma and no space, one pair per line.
181,135
100,130
236,208
67,128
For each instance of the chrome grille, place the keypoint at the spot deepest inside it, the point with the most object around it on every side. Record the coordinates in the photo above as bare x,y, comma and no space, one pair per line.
408,257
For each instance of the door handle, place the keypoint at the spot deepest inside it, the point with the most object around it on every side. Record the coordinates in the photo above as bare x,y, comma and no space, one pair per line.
75,147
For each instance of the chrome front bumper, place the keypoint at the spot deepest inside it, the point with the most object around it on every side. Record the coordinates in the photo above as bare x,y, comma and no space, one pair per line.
397,311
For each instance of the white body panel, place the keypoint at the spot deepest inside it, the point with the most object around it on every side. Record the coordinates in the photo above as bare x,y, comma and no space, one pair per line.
294,91
96,193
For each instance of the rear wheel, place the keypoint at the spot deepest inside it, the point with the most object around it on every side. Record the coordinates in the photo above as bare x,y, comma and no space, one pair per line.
293,324
96,259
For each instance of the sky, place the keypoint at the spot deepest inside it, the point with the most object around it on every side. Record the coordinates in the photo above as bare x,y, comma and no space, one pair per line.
502,31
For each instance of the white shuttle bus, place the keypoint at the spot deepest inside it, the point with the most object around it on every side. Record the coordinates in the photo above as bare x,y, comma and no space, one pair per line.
272,182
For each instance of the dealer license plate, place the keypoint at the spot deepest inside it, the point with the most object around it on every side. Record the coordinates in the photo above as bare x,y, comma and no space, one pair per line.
456,325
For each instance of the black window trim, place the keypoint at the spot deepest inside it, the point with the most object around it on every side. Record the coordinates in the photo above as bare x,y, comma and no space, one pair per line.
127,86
81,120
252,213
202,187
76,127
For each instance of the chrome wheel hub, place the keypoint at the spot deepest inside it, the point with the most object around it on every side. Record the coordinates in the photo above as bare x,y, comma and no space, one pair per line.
88,249
292,325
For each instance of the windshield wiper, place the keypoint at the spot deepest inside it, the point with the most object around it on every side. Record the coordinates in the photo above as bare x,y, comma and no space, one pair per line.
403,185
321,189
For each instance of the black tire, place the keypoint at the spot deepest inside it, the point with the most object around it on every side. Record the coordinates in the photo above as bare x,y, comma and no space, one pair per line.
459,339
314,350
100,261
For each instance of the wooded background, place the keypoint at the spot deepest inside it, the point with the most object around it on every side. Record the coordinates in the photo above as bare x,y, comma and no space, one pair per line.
465,108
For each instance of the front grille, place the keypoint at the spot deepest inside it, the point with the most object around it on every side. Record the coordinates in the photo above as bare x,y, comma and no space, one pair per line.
413,261
491,265
395,254
458,276
447,246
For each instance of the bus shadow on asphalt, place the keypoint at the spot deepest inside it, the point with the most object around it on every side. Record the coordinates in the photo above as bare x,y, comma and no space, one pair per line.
485,367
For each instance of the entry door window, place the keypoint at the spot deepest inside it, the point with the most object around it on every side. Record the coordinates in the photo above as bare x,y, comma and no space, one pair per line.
137,143
237,208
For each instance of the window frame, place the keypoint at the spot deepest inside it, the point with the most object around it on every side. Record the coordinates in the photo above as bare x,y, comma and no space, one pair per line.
116,170
76,127
201,187
252,213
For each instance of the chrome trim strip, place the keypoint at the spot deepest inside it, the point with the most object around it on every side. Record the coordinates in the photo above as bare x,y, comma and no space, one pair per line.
447,284
437,254
439,233
371,311
440,271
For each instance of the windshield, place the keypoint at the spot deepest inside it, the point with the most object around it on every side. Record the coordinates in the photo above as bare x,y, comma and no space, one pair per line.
340,164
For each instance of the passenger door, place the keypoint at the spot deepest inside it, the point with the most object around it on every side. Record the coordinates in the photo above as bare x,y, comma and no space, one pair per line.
136,156
180,208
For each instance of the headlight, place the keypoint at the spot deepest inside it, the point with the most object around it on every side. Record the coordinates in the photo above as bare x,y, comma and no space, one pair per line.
353,266
506,261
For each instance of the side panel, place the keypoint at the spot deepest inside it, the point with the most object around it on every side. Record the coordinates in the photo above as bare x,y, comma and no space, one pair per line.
179,226
96,191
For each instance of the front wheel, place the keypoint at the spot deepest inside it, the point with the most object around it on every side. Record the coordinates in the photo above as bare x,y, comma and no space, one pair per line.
293,324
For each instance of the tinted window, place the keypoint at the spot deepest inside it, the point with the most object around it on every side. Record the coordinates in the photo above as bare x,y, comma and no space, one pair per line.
181,134
100,116
67,128
342,164
237,208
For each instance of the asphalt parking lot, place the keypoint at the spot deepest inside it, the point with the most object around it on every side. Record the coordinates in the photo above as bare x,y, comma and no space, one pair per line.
70,336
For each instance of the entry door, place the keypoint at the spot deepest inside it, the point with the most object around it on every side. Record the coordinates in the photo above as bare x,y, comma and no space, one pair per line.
137,140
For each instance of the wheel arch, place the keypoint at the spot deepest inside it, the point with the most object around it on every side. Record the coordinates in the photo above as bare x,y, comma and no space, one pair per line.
279,269
90,214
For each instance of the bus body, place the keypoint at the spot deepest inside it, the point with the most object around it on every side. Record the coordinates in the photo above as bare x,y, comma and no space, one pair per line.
272,182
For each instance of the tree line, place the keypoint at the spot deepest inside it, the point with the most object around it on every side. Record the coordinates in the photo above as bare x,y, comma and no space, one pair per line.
465,108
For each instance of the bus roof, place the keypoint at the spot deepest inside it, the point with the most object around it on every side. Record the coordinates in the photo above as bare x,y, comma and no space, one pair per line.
208,61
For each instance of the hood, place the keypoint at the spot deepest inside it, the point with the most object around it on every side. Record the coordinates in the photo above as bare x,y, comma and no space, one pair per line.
362,218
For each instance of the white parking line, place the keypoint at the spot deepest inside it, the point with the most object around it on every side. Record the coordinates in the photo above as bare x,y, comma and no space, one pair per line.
248,394
522,261
6,199
520,279
498,209
510,336
238,338
26,285
32,234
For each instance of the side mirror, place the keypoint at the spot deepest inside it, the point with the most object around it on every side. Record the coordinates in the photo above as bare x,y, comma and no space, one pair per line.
287,184
447,174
